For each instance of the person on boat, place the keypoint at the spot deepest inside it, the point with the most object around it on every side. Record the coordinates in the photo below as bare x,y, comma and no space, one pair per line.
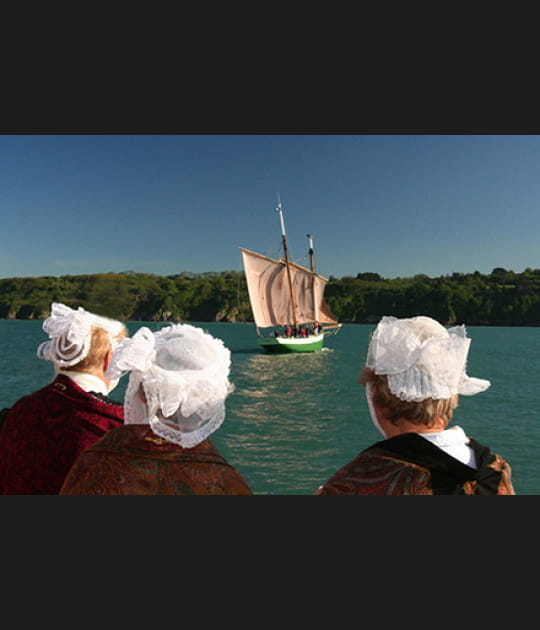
174,401
316,328
45,431
288,331
414,374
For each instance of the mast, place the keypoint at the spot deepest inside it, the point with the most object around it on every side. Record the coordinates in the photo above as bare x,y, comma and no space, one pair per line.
311,255
286,254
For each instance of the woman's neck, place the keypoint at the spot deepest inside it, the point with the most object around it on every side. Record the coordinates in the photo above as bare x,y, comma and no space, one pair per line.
406,426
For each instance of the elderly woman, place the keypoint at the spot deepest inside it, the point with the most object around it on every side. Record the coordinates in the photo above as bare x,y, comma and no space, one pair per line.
414,373
44,432
174,401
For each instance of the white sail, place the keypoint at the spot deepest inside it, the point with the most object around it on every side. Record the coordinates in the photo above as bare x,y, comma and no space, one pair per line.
270,293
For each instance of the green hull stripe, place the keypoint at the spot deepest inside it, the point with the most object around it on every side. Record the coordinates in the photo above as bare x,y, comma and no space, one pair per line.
272,344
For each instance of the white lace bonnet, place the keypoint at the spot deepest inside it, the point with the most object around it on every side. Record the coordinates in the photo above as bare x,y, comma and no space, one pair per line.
422,359
70,334
184,374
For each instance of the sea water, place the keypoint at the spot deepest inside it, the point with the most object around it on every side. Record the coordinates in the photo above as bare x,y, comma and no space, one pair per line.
293,420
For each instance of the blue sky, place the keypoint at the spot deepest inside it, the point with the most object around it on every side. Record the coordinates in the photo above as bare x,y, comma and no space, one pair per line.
397,205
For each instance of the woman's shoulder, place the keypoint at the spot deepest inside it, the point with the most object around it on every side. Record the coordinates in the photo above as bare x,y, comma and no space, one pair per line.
378,471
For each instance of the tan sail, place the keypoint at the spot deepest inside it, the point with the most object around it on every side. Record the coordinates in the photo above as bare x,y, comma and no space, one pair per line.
270,297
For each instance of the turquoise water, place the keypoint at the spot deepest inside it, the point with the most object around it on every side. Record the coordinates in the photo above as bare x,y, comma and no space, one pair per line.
294,419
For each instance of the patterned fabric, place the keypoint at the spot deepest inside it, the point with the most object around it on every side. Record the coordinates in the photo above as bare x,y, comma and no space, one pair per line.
134,460
44,432
409,464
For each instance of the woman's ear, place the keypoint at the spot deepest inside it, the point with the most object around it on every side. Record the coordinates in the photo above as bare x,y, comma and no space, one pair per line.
107,360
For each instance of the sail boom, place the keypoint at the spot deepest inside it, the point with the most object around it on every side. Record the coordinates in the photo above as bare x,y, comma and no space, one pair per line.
262,256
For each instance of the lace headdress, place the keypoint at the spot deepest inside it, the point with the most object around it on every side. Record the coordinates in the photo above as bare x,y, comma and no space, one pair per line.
70,334
422,359
184,373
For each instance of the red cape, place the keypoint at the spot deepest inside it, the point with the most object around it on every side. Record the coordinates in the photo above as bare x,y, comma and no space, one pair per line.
44,432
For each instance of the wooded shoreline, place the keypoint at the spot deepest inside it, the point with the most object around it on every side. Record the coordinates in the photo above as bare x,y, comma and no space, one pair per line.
501,298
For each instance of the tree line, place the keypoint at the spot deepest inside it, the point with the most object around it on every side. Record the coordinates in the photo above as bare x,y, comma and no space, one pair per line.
501,298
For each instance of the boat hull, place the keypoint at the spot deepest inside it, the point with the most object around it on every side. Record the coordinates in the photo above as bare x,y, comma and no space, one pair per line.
313,343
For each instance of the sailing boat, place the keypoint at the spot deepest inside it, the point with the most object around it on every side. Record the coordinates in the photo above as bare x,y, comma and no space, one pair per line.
287,300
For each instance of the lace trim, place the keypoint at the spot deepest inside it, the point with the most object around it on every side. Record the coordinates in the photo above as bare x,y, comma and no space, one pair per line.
70,333
184,375
422,359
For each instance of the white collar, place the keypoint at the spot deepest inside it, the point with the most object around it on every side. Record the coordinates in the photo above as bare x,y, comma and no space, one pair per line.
449,437
88,382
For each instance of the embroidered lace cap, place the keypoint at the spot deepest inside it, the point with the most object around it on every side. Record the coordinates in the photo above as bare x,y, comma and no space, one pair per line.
422,359
70,333
184,373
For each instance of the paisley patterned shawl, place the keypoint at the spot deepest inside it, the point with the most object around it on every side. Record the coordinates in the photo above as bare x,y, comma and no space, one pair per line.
133,460
409,464
447,474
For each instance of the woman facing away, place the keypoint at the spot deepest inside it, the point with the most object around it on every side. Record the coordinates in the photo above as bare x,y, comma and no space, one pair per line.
175,399
415,371
44,431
